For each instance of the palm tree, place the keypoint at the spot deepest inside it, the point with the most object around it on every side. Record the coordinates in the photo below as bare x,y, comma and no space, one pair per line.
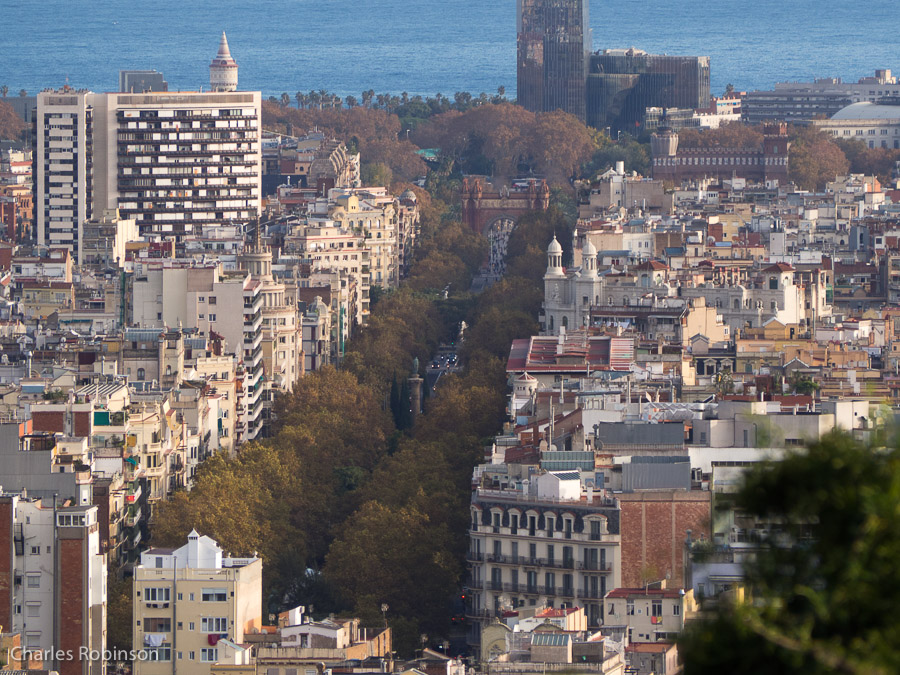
4,90
299,97
313,98
23,93
501,91
323,98
351,101
285,99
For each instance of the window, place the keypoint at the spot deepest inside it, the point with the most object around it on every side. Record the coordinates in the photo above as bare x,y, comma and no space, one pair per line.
33,609
209,655
202,299
35,550
191,656
629,608
161,594
161,653
158,625
612,609
676,609
140,374
34,580
214,595
212,317
214,624
656,608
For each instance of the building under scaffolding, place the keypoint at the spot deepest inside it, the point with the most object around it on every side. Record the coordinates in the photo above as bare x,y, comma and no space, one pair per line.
554,45
623,83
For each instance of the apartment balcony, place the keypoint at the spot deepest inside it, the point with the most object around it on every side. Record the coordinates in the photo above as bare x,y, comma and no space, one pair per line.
475,556
132,517
590,594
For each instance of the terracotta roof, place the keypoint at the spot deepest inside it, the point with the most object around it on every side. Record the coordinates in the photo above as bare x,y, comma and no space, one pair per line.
650,647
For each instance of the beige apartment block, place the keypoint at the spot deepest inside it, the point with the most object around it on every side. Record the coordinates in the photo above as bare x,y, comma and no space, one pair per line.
187,600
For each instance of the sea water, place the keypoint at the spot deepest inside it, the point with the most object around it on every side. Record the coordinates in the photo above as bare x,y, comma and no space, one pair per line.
423,46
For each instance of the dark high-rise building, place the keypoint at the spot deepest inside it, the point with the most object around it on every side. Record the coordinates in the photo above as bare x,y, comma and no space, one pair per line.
554,44
141,81
623,83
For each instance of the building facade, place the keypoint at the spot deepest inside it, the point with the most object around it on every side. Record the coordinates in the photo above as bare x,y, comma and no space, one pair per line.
768,162
187,600
553,44
623,83
53,580
551,546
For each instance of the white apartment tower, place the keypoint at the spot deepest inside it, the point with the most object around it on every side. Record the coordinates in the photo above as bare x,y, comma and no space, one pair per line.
63,176
223,71
182,160
173,162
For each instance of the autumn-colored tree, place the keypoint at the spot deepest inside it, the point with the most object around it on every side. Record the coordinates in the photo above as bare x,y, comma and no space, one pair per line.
559,144
376,174
815,159
878,162
119,609
11,125
728,135
247,505
437,270
398,557
406,325
377,132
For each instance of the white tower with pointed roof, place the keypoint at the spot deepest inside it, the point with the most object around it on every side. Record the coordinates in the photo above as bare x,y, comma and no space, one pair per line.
223,71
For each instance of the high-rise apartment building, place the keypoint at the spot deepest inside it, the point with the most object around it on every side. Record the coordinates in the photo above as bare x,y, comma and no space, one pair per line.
63,174
178,161
205,297
53,581
553,46
173,162
623,83
187,600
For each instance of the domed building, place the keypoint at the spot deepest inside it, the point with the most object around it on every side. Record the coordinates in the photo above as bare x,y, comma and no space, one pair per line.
223,71
877,125
569,294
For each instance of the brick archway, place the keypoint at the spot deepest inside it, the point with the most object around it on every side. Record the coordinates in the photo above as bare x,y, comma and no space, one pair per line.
482,208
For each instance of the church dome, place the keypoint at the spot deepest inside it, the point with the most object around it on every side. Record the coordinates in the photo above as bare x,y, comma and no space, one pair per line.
554,247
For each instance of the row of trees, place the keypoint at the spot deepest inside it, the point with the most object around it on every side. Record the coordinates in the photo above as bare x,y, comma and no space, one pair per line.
353,504
494,137
423,107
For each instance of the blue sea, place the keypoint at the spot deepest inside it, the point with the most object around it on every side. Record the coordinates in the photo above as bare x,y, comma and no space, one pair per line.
423,46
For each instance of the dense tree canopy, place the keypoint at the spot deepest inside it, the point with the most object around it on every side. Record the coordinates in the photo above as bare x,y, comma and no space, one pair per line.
11,125
823,591
505,139
815,159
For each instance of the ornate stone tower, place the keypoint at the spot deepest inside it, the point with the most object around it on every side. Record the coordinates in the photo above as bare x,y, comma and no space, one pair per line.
223,71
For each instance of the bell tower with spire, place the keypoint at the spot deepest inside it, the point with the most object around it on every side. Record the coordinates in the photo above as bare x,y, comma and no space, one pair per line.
223,71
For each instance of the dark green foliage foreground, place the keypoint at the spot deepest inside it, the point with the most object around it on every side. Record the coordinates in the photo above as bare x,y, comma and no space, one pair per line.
825,603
